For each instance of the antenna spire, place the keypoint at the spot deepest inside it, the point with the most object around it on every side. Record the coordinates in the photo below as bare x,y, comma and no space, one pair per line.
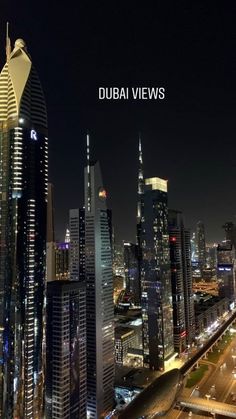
8,43
88,174
140,179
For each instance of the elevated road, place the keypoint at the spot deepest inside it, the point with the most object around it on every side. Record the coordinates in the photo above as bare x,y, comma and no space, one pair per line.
210,406
162,393
211,342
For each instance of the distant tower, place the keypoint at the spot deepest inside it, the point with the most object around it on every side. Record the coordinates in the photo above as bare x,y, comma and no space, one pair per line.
157,312
141,185
226,271
181,279
140,182
131,265
230,233
201,245
23,228
99,282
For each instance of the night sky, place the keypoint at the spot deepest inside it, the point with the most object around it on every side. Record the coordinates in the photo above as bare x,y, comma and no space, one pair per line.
188,138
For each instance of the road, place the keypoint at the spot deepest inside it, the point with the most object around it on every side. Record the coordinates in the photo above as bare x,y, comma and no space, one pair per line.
219,383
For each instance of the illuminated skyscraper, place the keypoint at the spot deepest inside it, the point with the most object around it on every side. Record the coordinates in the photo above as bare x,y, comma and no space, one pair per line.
132,276
23,212
99,289
140,218
140,182
181,280
157,310
201,245
226,271
74,245
62,260
50,252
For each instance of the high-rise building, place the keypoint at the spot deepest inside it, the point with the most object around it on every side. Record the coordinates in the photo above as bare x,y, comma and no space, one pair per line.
66,386
230,232
67,236
141,185
226,271
99,289
181,280
74,244
62,261
23,213
157,312
141,182
50,252
201,245
132,274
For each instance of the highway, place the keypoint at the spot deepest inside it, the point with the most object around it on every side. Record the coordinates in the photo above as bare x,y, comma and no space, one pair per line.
219,383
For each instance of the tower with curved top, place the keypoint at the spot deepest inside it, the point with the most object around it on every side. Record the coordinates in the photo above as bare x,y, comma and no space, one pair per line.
23,206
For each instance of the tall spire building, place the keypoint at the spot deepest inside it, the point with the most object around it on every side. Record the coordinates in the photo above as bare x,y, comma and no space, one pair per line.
99,289
23,213
141,184
140,181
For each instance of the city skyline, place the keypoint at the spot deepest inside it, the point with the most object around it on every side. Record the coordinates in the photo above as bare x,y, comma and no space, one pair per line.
182,136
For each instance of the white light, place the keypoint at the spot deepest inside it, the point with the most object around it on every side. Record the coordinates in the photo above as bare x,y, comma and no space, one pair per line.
33,135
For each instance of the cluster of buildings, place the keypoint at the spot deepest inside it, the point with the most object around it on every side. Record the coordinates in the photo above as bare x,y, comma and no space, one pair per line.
59,338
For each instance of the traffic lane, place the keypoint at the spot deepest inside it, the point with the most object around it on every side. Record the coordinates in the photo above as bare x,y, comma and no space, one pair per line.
221,379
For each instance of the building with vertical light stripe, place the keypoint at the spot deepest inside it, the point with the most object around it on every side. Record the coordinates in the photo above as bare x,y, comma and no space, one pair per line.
23,213
99,298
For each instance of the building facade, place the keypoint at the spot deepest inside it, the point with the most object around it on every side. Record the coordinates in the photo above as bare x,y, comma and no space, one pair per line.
201,245
226,271
62,261
132,271
74,244
23,210
157,312
66,367
99,289
181,280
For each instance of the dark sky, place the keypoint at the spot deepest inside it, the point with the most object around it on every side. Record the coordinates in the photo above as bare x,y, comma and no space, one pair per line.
188,138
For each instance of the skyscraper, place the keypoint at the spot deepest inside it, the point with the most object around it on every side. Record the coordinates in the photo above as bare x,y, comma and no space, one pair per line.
181,279
62,260
156,297
66,350
141,184
132,275
50,253
99,289
201,245
74,244
23,210
226,271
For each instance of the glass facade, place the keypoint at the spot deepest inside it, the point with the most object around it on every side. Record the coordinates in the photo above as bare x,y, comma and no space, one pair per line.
99,298
181,280
156,280
23,209
66,387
